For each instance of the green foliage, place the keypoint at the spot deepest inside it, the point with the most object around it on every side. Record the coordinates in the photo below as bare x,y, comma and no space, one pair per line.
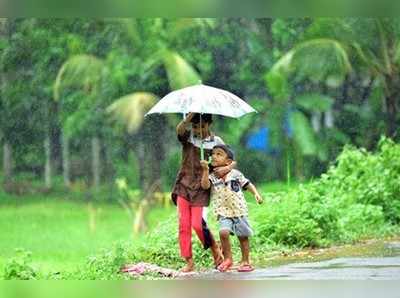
128,169
258,166
337,208
314,102
82,70
130,109
180,73
359,197
157,247
170,168
20,267
105,265
303,133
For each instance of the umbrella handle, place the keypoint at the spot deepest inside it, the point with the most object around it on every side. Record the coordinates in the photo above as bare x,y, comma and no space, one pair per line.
201,138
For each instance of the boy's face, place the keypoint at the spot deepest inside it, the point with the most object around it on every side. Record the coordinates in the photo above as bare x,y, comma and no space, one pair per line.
200,131
219,158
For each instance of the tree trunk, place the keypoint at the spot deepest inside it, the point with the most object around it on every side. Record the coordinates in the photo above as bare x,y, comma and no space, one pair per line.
316,121
139,223
391,97
7,162
329,118
55,138
141,156
154,139
66,161
48,166
392,113
96,161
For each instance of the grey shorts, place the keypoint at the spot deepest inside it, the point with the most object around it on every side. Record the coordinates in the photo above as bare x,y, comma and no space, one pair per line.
238,226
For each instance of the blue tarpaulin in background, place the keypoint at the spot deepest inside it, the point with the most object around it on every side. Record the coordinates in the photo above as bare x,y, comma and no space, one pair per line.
259,140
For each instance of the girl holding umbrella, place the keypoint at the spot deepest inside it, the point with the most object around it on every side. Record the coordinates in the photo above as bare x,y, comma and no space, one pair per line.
191,200
199,102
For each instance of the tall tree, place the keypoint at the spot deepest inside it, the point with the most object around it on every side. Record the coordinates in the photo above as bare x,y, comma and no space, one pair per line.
331,48
150,42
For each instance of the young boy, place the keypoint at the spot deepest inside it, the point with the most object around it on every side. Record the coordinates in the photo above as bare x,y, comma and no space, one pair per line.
230,205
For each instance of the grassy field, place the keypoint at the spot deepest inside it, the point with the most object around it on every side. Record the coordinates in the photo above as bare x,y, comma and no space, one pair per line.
61,230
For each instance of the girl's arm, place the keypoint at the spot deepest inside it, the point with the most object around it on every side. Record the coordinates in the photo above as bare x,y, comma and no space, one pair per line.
222,171
254,191
181,127
205,182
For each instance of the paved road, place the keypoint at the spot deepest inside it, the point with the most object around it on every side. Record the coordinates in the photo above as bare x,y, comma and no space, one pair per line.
360,268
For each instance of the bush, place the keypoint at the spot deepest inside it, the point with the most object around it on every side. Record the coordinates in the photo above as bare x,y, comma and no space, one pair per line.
20,267
358,197
104,266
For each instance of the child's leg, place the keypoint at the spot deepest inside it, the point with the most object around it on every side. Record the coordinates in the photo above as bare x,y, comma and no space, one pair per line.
226,244
185,233
204,234
245,248
226,249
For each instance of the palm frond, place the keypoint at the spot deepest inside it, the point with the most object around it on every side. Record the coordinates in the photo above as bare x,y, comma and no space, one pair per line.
178,26
320,60
314,102
132,29
180,73
83,71
129,110
303,133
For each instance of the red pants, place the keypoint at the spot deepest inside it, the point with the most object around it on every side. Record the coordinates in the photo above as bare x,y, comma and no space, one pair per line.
191,217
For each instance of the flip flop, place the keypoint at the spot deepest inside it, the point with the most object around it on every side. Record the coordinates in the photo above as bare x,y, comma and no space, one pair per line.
245,268
225,266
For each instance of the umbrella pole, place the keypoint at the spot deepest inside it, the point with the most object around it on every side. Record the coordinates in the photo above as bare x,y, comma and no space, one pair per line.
201,141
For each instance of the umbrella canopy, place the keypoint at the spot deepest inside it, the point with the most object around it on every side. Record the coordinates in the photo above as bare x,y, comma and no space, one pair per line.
202,99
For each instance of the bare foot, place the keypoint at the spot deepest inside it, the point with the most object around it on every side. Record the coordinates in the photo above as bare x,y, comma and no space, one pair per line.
217,255
189,267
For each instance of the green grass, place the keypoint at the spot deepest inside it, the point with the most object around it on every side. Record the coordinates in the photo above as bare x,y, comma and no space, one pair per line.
57,229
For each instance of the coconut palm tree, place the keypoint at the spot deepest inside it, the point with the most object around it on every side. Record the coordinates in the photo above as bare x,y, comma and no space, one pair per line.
330,49
151,39
88,73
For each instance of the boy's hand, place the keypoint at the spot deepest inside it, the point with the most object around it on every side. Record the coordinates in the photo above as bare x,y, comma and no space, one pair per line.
259,199
204,164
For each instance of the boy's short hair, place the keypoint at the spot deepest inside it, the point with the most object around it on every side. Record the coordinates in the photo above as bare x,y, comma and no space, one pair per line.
205,118
227,149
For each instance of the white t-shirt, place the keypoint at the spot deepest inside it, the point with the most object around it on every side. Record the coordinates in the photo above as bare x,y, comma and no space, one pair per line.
227,198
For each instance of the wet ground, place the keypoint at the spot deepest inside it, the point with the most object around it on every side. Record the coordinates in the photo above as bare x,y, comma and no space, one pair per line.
381,263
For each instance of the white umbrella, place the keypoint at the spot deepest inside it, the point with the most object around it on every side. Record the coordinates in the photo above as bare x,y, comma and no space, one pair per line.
202,99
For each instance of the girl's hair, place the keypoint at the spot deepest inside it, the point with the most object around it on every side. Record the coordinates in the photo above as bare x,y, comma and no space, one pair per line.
205,118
